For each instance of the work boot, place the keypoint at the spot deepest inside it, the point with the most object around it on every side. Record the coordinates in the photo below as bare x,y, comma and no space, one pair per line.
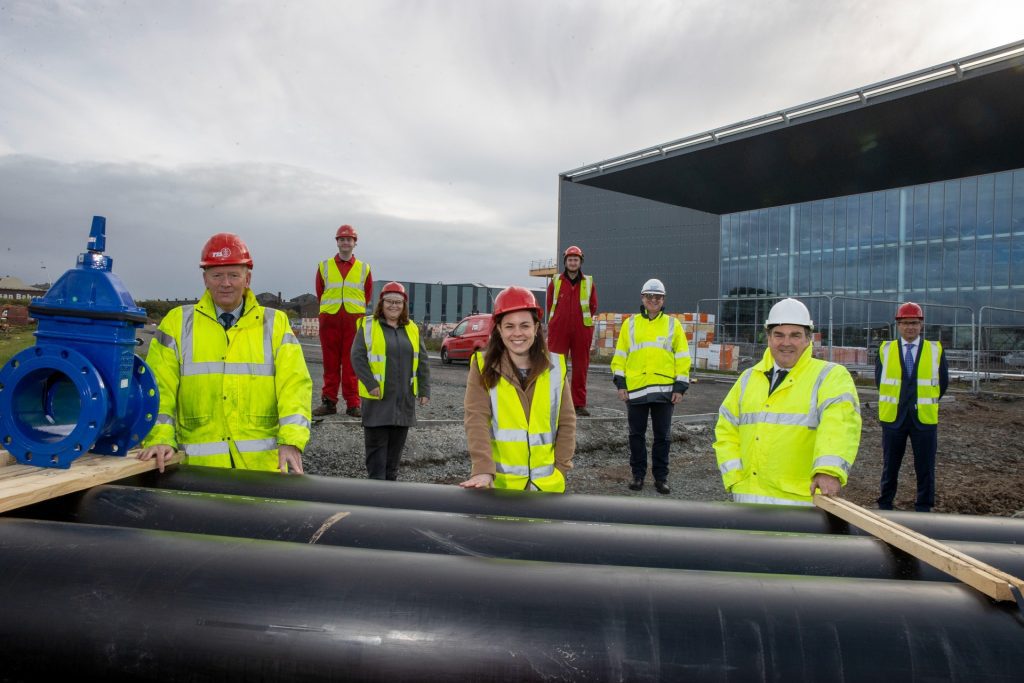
662,487
353,411
582,411
636,485
328,407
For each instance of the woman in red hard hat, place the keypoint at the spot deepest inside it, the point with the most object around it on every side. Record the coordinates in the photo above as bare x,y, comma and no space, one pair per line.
390,360
519,418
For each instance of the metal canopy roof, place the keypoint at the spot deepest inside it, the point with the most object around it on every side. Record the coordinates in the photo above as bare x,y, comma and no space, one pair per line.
958,119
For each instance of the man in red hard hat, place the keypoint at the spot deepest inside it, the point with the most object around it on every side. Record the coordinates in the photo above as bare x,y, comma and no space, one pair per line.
234,388
911,376
572,305
343,286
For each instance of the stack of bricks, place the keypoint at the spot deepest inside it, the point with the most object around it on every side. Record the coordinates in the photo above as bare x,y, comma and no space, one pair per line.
700,335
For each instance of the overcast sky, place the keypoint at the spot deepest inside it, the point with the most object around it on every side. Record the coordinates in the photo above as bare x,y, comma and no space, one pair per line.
437,129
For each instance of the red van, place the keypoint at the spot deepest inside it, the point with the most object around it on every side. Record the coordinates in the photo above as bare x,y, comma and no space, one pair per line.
468,337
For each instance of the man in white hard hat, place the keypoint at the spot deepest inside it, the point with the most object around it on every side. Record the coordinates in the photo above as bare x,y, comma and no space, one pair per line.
651,370
790,426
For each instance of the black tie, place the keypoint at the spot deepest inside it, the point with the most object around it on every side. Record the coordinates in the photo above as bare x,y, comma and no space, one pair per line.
780,375
225,319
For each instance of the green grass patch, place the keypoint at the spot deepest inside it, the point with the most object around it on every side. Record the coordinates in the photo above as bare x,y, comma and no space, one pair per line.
20,337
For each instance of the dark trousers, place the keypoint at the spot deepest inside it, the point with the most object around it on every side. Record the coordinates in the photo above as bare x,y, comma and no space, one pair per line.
661,422
384,447
894,444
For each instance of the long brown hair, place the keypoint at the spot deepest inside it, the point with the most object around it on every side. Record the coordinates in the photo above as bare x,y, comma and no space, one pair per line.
495,351
378,311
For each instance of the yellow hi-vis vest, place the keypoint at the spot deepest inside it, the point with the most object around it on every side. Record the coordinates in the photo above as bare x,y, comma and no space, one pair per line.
652,355
769,447
338,290
927,381
586,283
524,448
229,397
376,348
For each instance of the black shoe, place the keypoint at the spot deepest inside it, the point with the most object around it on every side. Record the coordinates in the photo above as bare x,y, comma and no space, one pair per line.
354,412
328,407
636,485
662,487
582,411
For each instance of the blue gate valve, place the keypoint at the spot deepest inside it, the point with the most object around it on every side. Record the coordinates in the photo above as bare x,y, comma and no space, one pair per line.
81,387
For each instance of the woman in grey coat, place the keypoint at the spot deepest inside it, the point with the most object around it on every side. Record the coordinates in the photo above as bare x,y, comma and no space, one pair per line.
390,361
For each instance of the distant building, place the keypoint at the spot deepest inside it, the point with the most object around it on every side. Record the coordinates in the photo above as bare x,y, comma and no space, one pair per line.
436,302
912,188
14,288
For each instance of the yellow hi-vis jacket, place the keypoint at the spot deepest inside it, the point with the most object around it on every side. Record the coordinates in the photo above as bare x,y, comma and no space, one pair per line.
229,397
338,290
523,447
652,355
928,390
586,284
376,353
770,447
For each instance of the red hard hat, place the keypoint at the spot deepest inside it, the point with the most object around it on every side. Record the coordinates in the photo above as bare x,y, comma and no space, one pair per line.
515,299
347,231
909,310
393,288
225,249
572,251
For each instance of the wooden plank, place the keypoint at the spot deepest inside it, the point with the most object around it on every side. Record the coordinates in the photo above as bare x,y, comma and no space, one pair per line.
22,485
993,582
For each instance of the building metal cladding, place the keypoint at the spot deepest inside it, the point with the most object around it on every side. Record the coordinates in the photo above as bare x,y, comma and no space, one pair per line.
912,188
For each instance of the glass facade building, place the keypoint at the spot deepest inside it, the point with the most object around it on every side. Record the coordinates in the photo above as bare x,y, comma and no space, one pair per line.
956,244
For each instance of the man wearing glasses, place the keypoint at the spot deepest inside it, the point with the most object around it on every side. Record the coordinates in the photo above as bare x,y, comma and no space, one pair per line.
911,376
651,370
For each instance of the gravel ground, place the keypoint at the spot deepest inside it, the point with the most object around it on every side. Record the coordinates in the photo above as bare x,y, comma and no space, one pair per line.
980,452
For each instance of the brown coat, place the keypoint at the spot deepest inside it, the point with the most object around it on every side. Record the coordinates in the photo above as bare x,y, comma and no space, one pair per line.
478,419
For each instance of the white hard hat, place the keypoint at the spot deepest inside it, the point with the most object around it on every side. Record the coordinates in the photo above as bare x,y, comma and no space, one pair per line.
653,286
789,312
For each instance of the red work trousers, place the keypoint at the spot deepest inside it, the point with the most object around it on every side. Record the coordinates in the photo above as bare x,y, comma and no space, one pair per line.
578,350
337,331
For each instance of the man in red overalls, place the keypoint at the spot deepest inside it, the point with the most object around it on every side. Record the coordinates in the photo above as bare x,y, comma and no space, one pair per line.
343,286
572,305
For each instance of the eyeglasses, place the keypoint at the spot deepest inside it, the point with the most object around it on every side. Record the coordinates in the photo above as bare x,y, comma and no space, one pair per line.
654,297
394,302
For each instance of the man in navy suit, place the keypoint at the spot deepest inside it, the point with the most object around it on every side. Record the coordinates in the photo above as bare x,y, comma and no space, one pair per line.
911,376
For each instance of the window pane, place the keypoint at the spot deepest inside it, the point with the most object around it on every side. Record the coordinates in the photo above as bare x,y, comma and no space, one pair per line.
951,210
968,208
986,201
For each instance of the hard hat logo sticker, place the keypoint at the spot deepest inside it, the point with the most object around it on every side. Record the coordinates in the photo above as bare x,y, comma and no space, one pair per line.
223,252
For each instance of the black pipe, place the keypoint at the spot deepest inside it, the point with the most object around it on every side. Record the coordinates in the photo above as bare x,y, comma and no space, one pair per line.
88,602
609,509
516,539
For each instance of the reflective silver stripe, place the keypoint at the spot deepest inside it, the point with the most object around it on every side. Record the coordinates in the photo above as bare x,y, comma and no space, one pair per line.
357,302
210,448
555,386
164,419
683,354
331,301
618,373
787,419
888,399
830,461
508,434
841,398
727,415
653,389
190,368
299,420
769,500
620,352
166,340
884,350
814,411
683,378
743,382
647,345
518,470
253,445
934,382
544,471
289,338
890,381
730,466
376,358
927,401
542,439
